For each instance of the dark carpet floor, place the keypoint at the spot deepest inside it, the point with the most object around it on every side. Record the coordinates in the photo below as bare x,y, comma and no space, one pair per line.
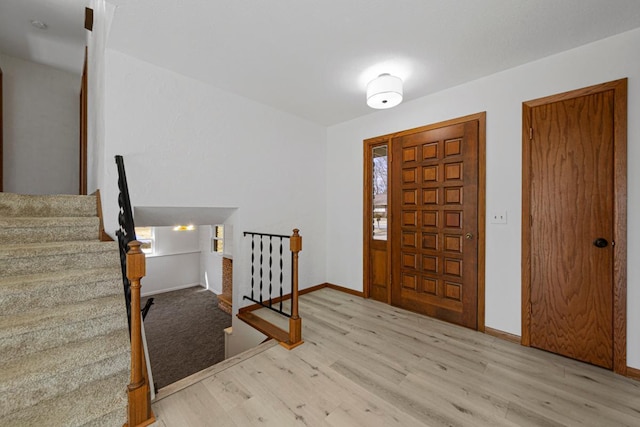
185,333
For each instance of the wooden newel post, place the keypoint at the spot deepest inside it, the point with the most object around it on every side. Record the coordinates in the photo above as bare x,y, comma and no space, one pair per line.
295,322
139,412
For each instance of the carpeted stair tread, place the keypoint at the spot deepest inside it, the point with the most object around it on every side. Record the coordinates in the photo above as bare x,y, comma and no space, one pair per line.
99,403
31,320
61,287
56,256
13,251
47,229
47,206
38,330
60,370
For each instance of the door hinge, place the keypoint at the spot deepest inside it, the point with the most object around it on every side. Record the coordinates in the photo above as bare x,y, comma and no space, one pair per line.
613,243
530,133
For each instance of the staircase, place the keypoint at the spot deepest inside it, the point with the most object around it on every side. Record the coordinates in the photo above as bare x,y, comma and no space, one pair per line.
64,341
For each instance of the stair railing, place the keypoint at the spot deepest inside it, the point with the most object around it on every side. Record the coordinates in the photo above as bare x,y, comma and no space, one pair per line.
126,232
262,286
132,262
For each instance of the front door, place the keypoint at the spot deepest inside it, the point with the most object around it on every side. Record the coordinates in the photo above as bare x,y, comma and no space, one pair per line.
434,231
571,193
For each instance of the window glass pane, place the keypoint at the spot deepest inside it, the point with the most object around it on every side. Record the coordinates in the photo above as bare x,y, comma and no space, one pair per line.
379,186
217,241
144,235
144,232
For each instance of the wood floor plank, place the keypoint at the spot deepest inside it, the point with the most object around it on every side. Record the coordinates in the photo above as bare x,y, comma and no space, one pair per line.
193,406
364,363
227,390
559,403
423,409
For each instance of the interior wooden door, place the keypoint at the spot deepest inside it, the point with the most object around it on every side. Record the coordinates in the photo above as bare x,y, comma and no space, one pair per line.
434,232
572,217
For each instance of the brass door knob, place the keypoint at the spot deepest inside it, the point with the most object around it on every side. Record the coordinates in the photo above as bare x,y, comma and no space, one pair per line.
468,236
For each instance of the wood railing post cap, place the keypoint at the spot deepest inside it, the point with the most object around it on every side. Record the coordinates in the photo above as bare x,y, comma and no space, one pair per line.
134,247
136,268
295,242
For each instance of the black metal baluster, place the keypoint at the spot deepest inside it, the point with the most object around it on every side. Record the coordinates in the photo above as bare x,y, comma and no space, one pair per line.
262,260
261,250
126,231
281,274
270,270
253,264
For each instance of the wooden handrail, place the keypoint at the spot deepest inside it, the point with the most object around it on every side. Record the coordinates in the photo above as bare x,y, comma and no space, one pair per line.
138,392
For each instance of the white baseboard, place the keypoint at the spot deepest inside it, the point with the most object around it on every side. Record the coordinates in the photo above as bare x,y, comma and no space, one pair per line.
176,288
212,291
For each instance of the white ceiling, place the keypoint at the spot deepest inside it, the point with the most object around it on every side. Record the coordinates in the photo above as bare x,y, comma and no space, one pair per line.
314,58
60,46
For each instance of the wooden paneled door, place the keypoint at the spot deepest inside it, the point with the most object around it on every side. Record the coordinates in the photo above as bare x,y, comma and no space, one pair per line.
572,176
438,221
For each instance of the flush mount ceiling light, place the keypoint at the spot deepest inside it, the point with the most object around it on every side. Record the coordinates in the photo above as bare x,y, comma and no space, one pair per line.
39,24
385,91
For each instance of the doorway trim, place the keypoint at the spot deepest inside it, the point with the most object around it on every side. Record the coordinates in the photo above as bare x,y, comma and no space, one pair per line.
84,93
367,191
619,214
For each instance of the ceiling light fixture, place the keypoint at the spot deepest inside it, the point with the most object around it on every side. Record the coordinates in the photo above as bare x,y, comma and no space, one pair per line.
189,227
385,91
39,24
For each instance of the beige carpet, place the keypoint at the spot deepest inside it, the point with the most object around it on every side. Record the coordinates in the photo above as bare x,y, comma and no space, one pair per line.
185,333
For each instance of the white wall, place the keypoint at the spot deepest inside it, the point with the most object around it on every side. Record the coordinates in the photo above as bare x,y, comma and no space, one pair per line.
501,96
188,144
170,242
96,42
41,128
170,273
175,263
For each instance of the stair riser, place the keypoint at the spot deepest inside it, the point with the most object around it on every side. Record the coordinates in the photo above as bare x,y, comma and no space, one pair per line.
58,262
9,236
57,383
115,418
18,302
39,340
15,205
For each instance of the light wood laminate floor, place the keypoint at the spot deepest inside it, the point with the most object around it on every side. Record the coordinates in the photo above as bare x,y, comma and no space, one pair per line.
364,363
